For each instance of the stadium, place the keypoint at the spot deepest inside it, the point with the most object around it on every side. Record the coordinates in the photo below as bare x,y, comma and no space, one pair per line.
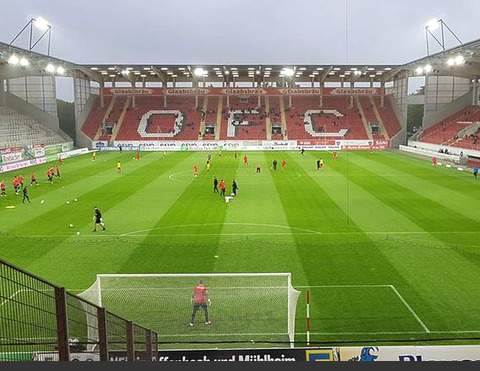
251,212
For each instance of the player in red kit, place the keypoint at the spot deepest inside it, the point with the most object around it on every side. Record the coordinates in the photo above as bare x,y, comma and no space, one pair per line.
195,171
335,155
284,164
434,161
137,156
3,189
200,299
33,179
245,160
16,185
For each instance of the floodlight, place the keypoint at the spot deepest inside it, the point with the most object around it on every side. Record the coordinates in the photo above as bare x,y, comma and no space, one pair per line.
451,62
199,72
41,24
428,68
13,59
433,24
125,72
288,72
459,60
419,70
258,72
60,70
358,73
50,68
24,62
227,72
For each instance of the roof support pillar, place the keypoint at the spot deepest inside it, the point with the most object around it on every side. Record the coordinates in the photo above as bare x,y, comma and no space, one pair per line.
102,97
196,94
133,94
382,98
320,100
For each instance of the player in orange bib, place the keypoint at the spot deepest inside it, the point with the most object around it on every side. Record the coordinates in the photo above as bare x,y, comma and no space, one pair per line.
284,164
195,171
137,156
335,155
245,160
200,299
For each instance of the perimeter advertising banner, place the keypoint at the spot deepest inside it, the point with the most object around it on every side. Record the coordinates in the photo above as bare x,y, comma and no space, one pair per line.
245,92
411,354
10,155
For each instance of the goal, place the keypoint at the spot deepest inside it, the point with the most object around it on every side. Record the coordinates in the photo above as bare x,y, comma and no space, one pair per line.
245,308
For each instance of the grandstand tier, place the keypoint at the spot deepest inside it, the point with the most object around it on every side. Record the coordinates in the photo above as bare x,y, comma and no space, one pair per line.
243,119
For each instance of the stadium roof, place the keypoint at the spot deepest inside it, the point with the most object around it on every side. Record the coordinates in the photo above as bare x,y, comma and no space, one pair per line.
154,72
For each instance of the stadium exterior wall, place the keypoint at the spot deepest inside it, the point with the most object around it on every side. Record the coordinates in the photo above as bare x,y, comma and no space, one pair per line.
32,111
83,140
432,118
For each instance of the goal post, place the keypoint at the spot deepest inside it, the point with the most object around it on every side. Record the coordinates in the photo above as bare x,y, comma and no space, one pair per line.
245,308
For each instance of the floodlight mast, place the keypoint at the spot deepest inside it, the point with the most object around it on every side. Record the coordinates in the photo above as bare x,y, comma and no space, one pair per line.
42,25
433,25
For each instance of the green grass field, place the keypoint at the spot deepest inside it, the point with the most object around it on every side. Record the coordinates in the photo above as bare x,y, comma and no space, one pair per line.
386,244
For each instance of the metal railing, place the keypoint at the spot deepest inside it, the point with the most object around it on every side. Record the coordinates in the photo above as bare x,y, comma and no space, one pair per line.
42,321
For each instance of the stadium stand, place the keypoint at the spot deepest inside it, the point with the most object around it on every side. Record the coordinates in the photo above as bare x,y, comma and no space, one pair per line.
160,123
336,117
244,120
18,130
448,131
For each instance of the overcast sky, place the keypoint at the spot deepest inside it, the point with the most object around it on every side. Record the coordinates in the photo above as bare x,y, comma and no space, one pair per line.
239,31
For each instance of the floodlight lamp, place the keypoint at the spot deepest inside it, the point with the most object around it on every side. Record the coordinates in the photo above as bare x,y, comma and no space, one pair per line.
433,24
60,70
125,72
358,73
288,72
41,24
24,62
199,72
50,68
451,62
13,59
459,60
419,70
227,72
428,68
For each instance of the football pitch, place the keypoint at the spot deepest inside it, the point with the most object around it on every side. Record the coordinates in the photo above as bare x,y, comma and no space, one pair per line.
387,245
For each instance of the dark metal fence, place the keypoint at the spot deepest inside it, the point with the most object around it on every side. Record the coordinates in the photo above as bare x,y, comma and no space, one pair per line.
41,321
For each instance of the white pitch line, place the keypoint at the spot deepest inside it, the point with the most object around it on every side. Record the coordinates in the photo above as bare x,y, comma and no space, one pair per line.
11,297
410,309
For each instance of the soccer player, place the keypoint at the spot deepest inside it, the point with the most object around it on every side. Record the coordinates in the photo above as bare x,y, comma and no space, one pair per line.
220,154
215,184
33,179
234,187
57,172
434,161
475,172
16,185
3,189
223,187
303,151
97,219
195,171
94,156
208,165
21,179
259,169
137,156
200,299
245,160
119,166
318,165
275,163
284,164
25,195
322,163
164,154
235,155
335,155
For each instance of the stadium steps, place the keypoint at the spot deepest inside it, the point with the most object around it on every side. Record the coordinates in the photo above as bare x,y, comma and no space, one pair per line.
204,118
218,126
283,118
105,117
117,127
368,130
268,120
379,118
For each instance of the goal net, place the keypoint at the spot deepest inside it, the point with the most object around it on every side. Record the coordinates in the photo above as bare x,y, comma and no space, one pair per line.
245,308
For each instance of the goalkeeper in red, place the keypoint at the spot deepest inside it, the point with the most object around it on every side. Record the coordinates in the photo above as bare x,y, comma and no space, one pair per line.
200,299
